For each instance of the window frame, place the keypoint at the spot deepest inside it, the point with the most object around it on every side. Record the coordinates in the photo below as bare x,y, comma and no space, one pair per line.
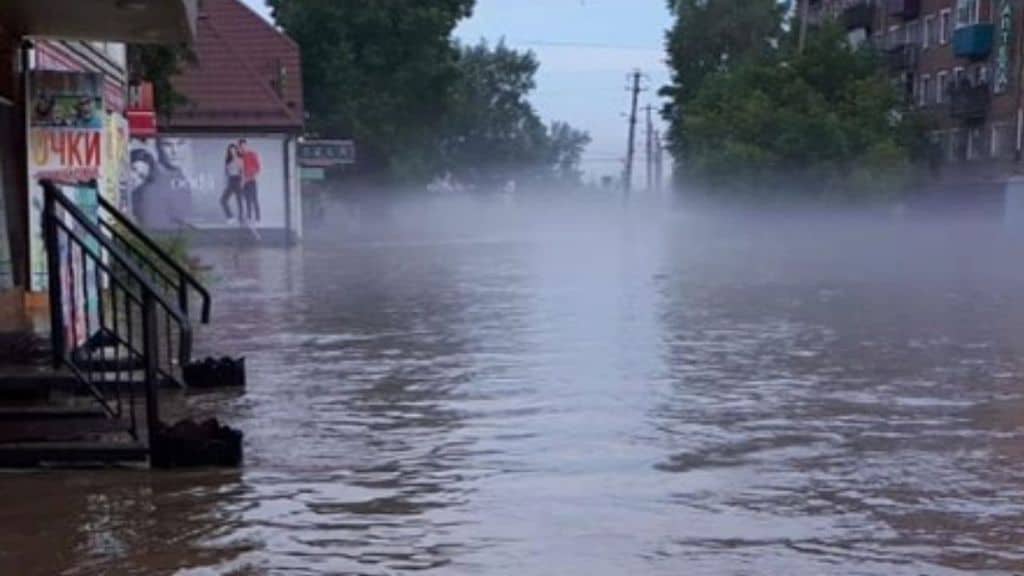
941,84
913,33
929,25
924,93
972,19
945,26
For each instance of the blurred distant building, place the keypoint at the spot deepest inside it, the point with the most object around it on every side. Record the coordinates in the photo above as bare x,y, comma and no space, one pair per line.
959,60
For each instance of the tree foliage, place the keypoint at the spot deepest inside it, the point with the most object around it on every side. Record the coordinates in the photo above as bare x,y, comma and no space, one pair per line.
158,64
826,120
379,71
710,36
492,132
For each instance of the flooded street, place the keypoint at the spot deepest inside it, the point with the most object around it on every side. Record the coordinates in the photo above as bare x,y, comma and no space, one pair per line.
567,390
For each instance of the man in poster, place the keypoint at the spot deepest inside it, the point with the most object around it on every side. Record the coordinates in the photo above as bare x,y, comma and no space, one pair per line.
250,175
166,200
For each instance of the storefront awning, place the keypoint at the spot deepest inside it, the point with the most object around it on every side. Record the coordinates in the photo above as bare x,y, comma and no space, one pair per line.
135,21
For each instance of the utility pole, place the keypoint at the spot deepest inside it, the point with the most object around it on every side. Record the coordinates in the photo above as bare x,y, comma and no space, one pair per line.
659,175
649,148
627,179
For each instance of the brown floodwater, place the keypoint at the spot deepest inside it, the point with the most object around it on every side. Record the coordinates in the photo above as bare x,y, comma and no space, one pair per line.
480,388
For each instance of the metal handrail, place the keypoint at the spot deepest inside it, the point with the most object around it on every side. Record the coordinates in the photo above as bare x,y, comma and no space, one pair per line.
112,271
52,192
185,278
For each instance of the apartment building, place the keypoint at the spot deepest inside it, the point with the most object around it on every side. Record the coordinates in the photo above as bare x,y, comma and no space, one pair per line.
957,60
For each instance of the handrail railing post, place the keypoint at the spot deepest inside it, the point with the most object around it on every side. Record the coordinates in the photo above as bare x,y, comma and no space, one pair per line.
57,339
150,358
183,294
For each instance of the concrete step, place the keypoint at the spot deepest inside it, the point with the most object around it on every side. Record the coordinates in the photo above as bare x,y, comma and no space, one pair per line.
109,363
31,383
62,430
71,454
50,413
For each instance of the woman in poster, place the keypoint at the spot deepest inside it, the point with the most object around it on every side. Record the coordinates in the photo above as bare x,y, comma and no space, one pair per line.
233,171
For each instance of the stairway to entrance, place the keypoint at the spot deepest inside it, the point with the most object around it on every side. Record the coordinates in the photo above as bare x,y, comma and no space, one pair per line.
121,332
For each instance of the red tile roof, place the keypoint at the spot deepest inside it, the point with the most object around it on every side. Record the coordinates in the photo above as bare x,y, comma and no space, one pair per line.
248,74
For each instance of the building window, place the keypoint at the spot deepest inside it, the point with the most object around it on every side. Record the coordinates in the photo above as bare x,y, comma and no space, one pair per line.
941,86
931,31
958,75
967,12
914,33
945,26
958,143
979,75
896,37
924,96
1003,136
978,145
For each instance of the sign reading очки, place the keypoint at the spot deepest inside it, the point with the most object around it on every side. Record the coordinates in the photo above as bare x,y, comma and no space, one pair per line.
326,153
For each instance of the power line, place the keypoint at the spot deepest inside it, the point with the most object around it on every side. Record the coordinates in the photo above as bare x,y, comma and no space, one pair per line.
602,45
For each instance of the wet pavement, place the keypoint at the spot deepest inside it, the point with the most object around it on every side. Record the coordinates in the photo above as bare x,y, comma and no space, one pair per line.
568,390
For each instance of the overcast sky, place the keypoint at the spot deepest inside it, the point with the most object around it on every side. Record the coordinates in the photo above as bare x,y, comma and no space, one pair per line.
586,49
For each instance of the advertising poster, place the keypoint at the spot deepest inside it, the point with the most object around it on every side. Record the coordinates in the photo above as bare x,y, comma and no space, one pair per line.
114,167
179,182
77,272
65,144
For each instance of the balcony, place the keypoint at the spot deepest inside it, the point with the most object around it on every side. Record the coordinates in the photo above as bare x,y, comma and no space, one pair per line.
973,42
860,15
969,103
905,9
902,57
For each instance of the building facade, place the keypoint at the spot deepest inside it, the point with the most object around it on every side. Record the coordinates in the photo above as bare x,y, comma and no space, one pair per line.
64,37
959,61
223,165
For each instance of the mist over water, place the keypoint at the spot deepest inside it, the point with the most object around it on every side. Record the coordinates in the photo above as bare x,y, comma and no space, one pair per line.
567,386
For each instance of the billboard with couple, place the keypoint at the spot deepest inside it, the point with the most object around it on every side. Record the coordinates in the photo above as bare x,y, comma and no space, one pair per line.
203,182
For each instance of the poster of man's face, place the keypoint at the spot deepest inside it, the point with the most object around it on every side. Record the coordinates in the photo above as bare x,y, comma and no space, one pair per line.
173,152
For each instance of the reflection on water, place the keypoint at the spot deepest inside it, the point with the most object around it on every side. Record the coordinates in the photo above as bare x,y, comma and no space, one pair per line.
517,391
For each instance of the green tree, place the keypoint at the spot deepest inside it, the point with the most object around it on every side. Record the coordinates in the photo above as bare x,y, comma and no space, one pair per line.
158,64
825,121
566,148
493,133
492,129
711,36
379,71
